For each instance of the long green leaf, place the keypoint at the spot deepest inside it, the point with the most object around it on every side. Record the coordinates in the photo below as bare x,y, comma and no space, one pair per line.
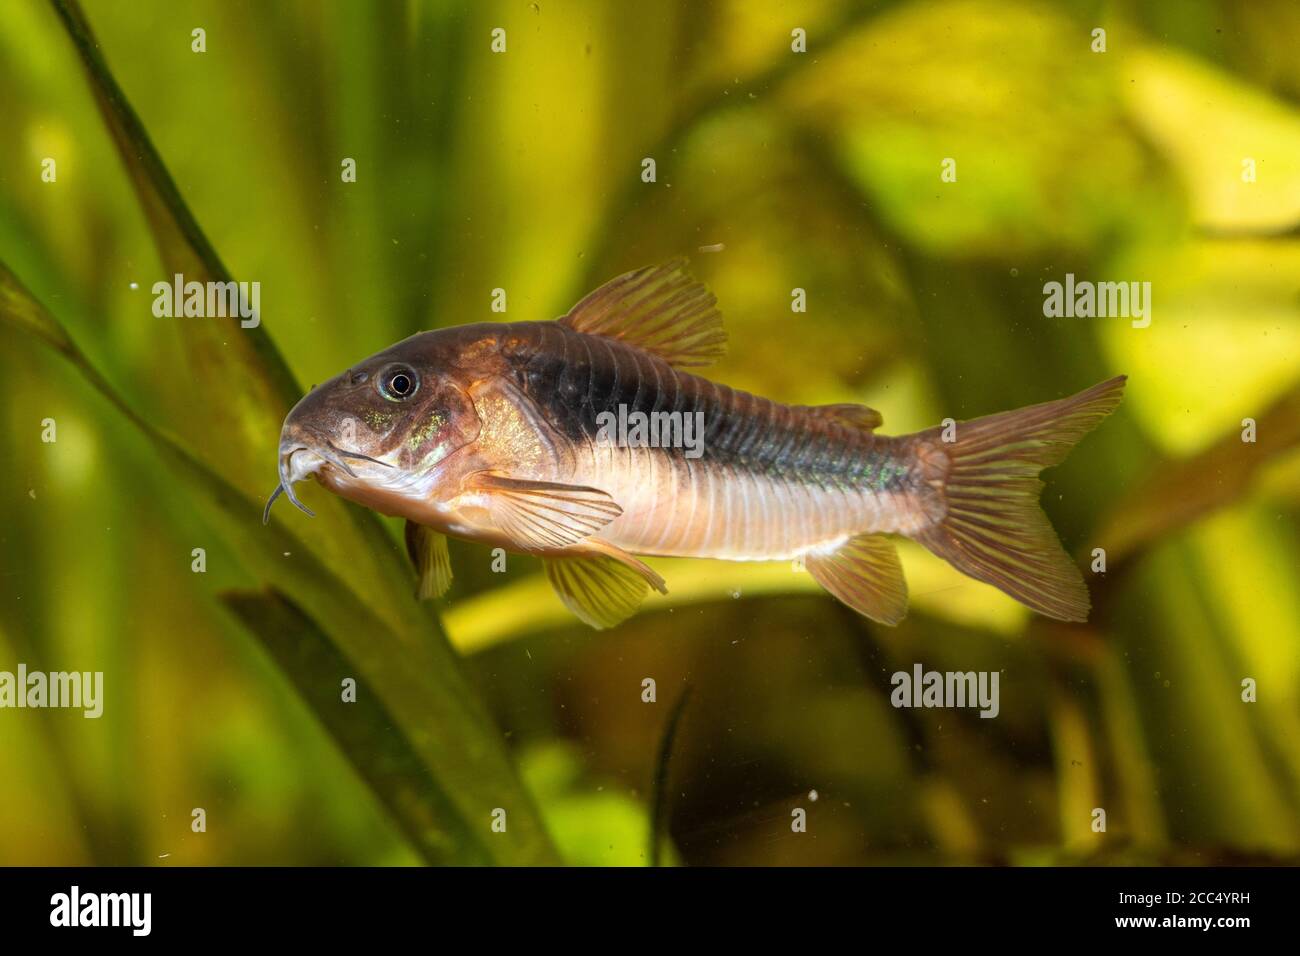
220,346
415,674
241,386
363,727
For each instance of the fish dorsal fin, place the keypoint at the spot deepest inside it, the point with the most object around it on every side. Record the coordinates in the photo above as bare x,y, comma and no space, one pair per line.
428,551
662,309
864,573
544,515
847,414
600,590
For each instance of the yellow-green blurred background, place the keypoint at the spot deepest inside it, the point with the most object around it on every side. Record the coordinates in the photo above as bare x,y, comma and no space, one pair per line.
521,170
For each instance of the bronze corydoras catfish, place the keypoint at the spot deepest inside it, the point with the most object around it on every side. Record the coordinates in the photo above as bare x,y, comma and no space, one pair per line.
505,433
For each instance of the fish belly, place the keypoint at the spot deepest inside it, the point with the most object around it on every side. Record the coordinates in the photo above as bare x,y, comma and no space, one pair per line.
673,505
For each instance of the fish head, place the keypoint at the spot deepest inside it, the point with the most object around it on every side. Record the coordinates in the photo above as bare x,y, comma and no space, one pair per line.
380,432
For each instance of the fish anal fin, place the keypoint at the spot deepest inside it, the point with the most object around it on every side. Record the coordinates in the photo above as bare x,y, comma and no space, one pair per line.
428,552
543,515
848,414
864,573
600,590
661,309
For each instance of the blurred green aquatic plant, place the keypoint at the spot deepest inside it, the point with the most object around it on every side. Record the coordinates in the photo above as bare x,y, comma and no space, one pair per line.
444,737
439,817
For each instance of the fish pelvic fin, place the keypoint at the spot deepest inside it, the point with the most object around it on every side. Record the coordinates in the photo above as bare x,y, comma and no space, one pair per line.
600,590
662,309
432,561
993,528
864,572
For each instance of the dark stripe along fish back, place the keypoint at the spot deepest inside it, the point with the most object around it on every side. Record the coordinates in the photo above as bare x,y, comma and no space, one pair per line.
790,476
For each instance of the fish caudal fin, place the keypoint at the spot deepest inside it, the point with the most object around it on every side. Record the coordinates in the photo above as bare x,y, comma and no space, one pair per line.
994,529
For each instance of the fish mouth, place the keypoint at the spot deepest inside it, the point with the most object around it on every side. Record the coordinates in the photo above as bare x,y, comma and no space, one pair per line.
326,453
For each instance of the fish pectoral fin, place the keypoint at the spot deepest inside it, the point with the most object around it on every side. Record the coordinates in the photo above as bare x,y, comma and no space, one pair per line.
848,414
601,590
428,551
864,573
544,515
661,309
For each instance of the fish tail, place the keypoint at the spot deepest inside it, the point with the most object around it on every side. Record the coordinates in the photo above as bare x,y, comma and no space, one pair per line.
992,526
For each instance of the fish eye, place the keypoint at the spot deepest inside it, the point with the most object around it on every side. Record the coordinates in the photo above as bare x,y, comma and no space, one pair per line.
398,383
